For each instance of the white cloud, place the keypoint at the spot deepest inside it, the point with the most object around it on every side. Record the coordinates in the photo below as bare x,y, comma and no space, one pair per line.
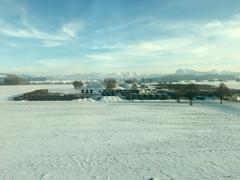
48,43
72,28
33,34
213,24
67,32
204,45
13,45
24,29
49,67
160,45
224,29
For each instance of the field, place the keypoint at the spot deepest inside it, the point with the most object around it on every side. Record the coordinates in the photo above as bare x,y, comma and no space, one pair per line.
98,140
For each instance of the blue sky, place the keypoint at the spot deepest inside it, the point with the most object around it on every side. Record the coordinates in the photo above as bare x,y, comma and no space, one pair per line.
145,36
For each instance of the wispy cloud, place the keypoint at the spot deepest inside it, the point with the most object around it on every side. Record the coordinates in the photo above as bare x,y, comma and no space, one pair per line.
202,45
32,34
49,67
72,28
26,30
49,43
224,29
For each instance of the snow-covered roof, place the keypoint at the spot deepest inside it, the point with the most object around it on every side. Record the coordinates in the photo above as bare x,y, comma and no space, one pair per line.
124,86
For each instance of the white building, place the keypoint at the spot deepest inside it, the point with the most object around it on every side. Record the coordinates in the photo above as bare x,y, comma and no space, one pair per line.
124,85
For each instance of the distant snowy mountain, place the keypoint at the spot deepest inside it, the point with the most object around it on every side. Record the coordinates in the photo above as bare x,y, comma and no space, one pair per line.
101,76
184,71
194,72
180,74
189,74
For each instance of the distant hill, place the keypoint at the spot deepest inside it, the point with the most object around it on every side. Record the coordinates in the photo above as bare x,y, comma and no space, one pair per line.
179,75
188,74
101,76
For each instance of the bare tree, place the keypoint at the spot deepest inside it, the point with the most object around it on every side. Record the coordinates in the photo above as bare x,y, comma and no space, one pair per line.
78,85
191,90
222,90
179,92
134,86
110,83
12,79
143,87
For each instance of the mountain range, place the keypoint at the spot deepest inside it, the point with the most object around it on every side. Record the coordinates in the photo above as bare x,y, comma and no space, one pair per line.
180,74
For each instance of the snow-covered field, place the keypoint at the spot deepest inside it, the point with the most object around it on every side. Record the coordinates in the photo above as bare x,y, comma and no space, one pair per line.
119,141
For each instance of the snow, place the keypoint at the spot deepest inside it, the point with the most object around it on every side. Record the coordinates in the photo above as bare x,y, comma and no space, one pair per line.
71,140
85,100
111,99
